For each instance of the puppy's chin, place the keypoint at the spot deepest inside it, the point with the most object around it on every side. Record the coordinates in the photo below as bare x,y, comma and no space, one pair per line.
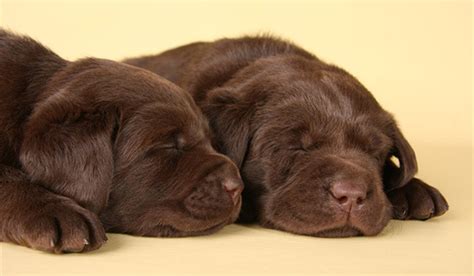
323,231
207,227
170,231
325,220
184,224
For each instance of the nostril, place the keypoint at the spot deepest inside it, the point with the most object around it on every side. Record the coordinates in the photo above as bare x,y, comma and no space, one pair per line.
234,188
348,193
342,200
231,185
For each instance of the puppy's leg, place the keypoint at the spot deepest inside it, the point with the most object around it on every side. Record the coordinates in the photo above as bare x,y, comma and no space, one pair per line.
69,149
417,200
34,217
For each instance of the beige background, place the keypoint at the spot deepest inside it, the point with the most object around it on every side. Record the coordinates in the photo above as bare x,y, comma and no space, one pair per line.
416,58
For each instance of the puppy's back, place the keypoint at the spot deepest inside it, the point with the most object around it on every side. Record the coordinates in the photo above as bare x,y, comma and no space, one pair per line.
202,66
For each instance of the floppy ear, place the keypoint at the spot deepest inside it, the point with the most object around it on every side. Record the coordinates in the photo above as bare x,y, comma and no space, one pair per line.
68,148
230,119
396,176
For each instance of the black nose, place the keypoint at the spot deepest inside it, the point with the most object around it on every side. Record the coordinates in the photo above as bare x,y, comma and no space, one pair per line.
349,194
234,187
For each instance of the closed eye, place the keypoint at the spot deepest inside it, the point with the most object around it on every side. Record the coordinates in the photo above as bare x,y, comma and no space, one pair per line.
159,149
306,148
377,146
298,148
178,147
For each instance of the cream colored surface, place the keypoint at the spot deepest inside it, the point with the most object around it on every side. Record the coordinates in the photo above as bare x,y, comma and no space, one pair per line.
416,58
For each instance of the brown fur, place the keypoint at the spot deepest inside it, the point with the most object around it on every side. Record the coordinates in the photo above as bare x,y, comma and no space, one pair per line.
94,145
314,147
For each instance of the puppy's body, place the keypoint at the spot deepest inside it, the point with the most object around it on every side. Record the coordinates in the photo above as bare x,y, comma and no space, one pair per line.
98,139
313,145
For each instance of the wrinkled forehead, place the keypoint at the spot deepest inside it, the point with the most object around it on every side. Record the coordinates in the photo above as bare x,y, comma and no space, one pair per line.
144,86
339,98
319,94
158,121
180,114
319,131
309,112
299,122
317,111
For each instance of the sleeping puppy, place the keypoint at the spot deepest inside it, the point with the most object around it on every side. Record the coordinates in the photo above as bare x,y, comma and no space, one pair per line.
94,145
318,155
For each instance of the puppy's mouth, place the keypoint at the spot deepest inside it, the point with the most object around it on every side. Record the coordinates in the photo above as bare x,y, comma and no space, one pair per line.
173,231
341,231
347,229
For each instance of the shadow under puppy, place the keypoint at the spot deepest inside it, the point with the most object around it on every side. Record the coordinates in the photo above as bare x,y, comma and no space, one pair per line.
314,147
97,145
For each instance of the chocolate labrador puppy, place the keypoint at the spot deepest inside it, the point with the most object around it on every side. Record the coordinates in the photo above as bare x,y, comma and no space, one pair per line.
95,145
318,155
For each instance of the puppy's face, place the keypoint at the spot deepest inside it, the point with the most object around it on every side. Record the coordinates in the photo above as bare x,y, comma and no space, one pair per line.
318,152
322,175
168,180
132,147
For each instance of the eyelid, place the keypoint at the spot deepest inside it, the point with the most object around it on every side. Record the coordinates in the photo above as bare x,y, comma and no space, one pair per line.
309,147
157,148
377,141
166,146
298,148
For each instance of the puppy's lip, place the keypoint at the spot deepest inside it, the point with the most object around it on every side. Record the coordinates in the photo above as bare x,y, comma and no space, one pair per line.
340,232
333,231
183,233
213,227
344,227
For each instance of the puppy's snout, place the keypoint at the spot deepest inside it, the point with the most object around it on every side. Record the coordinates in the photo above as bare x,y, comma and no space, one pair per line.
229,177
349,194
234,187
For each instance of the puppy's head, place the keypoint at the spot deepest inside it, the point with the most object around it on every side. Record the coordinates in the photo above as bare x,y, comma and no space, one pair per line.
168,179
132,147
314,147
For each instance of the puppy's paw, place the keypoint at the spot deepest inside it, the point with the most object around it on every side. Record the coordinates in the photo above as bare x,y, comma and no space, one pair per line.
417,200
59,226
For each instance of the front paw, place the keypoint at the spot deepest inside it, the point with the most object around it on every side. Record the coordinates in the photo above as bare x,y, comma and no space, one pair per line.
58,226
417,200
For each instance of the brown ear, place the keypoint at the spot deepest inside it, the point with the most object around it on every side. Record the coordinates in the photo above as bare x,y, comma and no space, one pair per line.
230,117
68,149
396,176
